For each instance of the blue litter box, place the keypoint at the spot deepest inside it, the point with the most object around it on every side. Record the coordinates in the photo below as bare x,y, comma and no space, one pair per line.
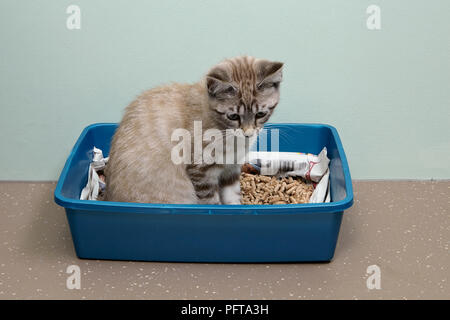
206,233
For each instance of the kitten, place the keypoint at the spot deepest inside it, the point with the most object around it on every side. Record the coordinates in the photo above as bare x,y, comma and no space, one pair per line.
239,93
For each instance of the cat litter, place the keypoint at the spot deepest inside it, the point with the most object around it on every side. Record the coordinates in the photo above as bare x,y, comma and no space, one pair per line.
258,189
280,188
285,178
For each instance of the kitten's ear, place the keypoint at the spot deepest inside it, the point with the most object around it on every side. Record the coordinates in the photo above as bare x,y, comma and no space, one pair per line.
218,83
269,73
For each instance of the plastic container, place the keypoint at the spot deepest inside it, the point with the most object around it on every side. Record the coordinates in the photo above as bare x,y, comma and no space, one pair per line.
206,233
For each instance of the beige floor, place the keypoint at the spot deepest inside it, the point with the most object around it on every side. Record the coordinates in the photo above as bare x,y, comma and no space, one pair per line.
402,227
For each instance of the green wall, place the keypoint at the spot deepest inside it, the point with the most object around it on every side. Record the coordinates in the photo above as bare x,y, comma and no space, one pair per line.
387,91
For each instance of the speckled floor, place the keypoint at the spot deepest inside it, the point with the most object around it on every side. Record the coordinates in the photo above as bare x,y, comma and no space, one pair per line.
403,227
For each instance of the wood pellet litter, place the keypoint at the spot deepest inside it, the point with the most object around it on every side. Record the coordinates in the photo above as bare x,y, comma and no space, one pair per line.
259,189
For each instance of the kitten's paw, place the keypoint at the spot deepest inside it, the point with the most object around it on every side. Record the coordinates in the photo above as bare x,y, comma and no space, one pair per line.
235,201
231,194
212,200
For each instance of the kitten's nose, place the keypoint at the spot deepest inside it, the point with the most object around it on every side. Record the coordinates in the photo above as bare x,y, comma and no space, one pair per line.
248,132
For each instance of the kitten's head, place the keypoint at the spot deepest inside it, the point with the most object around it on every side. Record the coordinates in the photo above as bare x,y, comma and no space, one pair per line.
243,92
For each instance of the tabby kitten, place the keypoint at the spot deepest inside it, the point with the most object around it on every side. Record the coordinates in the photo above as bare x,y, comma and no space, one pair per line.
239,94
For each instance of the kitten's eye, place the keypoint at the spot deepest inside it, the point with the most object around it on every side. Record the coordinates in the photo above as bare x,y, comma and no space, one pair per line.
260,114
230,90
267,85
233,116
